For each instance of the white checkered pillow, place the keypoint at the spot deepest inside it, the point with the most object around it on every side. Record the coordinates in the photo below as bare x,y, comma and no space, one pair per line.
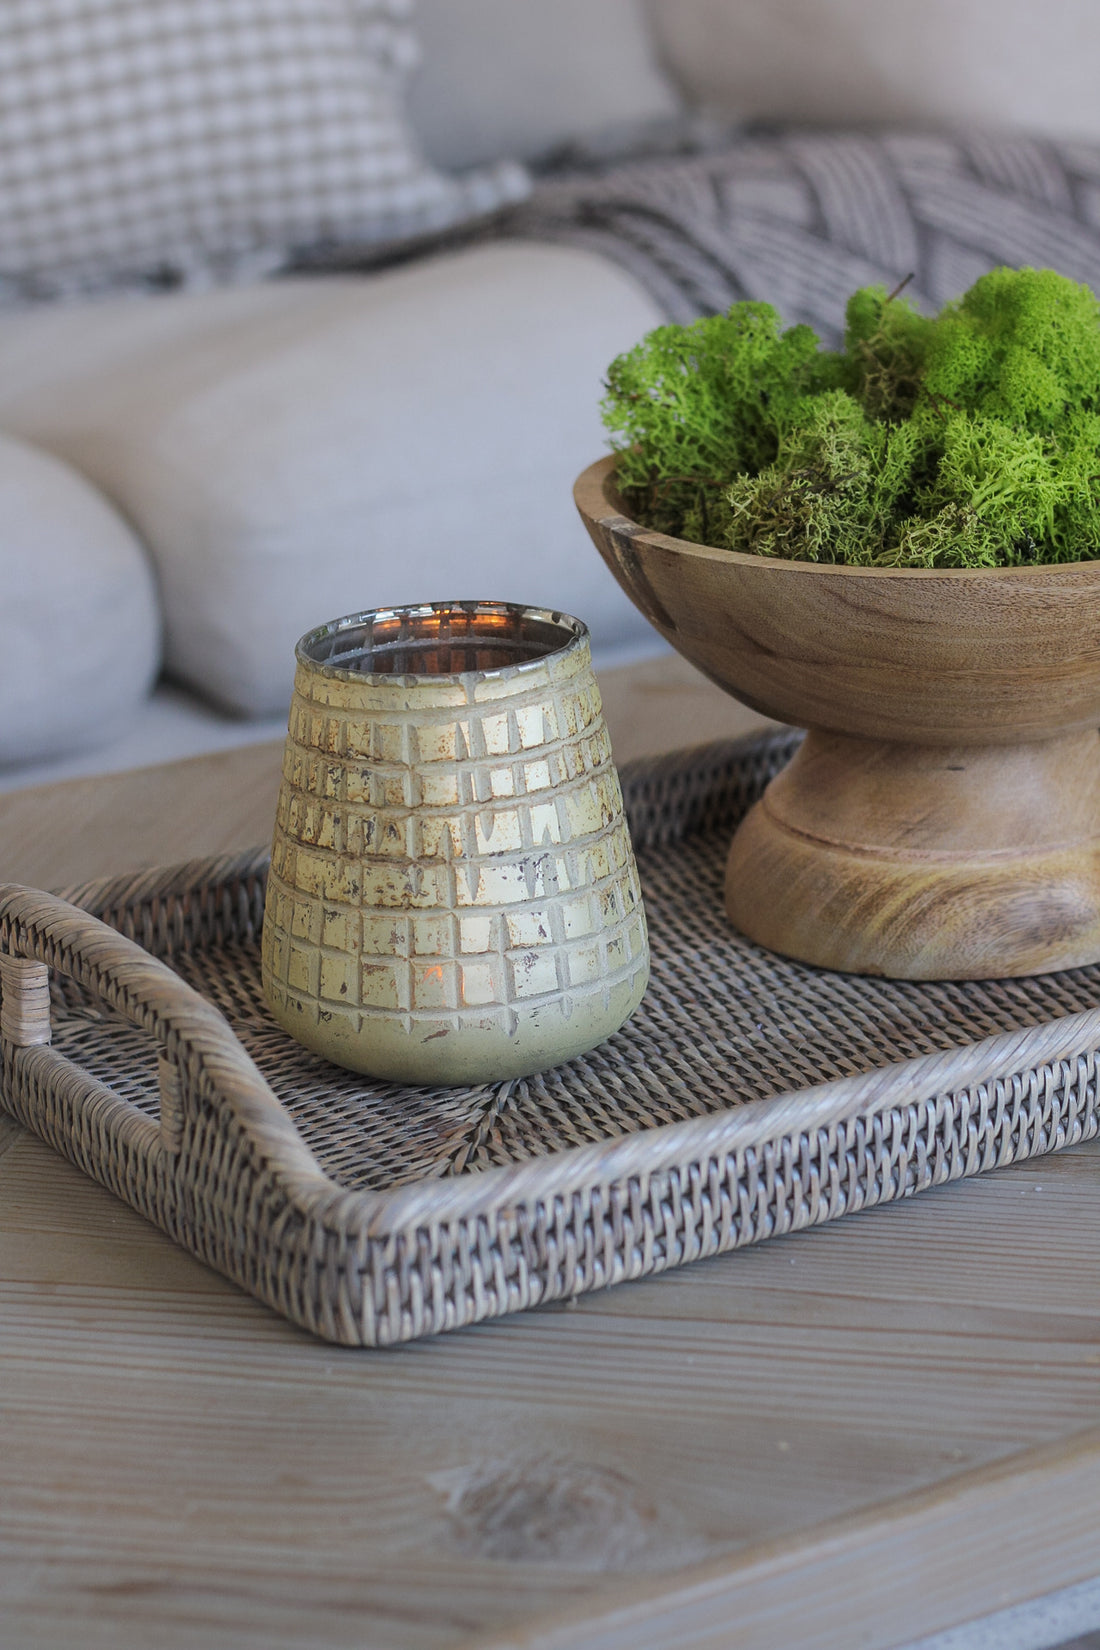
167,138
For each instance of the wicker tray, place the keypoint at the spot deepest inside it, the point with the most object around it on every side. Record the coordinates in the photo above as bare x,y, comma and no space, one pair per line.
748,1097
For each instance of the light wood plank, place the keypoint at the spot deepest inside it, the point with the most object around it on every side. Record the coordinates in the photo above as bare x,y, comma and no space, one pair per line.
10,1132
180,1463
914,1565
55,835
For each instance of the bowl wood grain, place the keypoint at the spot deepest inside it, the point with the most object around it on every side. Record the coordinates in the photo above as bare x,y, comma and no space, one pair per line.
942,819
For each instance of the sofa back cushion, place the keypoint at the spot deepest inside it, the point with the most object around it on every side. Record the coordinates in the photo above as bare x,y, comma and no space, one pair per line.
153,138
941,63
302,448
526,77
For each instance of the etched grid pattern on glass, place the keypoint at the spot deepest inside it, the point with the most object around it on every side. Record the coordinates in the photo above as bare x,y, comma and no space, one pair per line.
474,863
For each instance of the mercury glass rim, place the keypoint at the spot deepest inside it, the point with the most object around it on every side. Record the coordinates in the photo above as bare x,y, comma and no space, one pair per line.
575,632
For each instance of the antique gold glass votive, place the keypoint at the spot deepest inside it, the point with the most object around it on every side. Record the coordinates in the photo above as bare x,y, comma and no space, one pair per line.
453,897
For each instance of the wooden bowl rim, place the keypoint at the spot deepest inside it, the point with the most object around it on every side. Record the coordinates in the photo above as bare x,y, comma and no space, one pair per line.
597,500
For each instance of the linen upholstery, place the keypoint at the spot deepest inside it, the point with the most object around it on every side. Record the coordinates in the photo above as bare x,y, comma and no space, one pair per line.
162,138
307,448
523,78
79,628
941,63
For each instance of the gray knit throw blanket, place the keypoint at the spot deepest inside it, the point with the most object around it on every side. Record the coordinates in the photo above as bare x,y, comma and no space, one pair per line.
802,219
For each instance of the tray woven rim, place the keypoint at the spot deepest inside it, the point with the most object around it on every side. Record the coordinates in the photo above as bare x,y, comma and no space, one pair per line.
216,1103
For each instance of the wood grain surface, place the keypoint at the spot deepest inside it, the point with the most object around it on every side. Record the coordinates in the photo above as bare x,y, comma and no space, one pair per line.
925,862
858,1434
783,1447
963,656
942,820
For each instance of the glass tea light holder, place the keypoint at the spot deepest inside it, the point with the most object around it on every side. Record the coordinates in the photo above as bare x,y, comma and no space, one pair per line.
453,896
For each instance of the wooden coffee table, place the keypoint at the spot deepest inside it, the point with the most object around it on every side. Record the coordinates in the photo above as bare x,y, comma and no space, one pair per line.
855,1435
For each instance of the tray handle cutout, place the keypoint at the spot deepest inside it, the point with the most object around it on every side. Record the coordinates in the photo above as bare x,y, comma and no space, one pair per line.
200,1062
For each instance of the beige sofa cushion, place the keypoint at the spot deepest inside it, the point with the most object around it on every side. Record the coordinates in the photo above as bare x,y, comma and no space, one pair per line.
79,631
305,448
521,78
940,63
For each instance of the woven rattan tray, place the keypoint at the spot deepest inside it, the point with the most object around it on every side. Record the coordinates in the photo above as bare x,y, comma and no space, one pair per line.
748,1097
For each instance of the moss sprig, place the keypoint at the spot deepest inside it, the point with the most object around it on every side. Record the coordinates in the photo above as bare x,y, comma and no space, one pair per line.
969,439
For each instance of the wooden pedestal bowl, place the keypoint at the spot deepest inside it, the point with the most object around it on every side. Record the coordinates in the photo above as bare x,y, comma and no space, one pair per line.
942,818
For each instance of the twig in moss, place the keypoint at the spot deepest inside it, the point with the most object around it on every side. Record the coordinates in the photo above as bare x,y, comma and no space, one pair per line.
900,288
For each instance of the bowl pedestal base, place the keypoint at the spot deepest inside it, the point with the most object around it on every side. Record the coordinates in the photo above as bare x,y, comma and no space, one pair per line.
922,862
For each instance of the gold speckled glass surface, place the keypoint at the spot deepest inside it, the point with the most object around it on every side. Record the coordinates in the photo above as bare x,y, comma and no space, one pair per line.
453,895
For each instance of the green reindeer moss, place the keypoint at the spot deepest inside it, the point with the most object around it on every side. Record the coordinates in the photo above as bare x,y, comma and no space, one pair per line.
971,439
